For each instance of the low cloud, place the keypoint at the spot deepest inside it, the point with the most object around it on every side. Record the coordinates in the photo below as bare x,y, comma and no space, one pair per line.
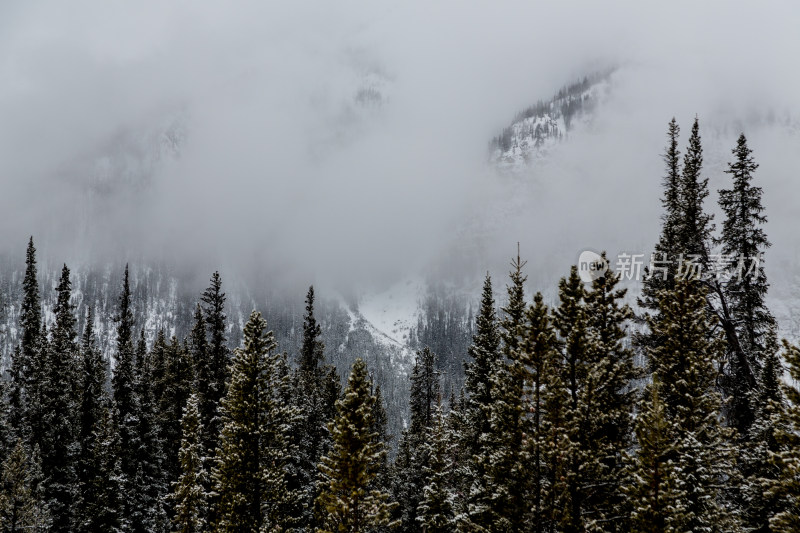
280,166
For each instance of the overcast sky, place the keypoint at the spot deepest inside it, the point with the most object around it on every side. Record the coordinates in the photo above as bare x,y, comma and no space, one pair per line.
279,169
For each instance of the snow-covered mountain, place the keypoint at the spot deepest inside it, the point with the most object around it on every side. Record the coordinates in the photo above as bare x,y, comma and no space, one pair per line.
536,130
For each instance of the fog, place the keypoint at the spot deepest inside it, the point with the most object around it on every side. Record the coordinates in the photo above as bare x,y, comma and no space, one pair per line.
269,162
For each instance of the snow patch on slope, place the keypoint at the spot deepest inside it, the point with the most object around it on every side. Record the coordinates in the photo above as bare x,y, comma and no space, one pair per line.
538,130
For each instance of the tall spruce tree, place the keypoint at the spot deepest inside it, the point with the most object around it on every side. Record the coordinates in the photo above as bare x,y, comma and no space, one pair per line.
504,456
743,236
250,473
218,361
484,353
312,351
28,363
214,306
59,447
435,511
347,471
92,409
189,493
581,385
316,392
556,443
666,248
743,241
683,364
696,226
204,379
127,407
609,399
409,478
148,513
572,323
172,384
236,475
278,418
537,352
30,314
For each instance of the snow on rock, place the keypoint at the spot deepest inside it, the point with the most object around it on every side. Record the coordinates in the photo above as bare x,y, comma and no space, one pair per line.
537,130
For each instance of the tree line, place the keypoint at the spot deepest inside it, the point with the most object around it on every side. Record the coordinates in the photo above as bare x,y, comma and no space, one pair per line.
556,428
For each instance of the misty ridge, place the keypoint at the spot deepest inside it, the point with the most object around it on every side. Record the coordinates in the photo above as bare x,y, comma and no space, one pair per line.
366,267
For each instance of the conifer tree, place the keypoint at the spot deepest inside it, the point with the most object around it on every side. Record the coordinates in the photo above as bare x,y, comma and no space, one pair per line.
172,383
214,313
251,460
36,397
317,389
537,352
694,233
485,354
786,490
435,511
189,493
204,385
683,248
762,442
609,398
743,241
347,471
218,360
578,390
148,513
123,380
571,321
331,392
59,447
106,510
278,418
93,408
666,248
236,474
556,443
404,479
30,314
683,364
743,236
411,464
511,326
22,502
654,489
204,377
380,420
28,362
127,408
424,391
312,350
458,453
504,456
